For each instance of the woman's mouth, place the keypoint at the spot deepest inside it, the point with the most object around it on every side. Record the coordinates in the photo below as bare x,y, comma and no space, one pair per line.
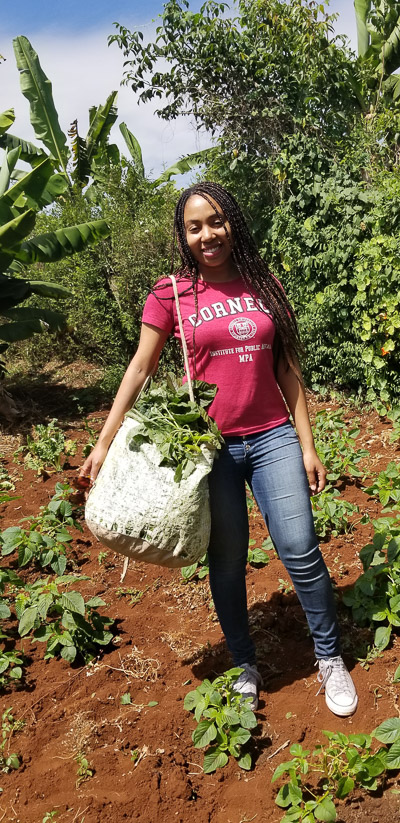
212,251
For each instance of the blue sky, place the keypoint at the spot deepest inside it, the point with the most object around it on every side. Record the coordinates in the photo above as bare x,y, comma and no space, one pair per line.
70,37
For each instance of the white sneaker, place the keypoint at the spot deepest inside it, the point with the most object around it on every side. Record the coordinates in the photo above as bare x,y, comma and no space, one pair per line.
248,684
340,691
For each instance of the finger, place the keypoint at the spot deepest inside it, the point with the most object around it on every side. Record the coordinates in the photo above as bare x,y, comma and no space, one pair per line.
313,481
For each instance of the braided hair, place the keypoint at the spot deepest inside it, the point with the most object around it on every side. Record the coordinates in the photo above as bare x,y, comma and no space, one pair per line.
252,268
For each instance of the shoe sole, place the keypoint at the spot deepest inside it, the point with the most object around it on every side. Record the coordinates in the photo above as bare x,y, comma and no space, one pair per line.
341,711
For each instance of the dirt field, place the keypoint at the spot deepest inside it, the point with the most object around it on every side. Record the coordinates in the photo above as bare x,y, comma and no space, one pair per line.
167,640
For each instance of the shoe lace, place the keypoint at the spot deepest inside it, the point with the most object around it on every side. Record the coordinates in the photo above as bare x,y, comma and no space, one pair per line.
333,667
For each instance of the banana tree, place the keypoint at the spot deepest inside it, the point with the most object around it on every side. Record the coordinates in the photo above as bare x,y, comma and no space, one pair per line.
378,33
21,197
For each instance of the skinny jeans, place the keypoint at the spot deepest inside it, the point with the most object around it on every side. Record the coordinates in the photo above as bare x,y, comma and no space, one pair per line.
272,464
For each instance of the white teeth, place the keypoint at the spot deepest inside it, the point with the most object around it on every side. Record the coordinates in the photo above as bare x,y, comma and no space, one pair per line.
211,251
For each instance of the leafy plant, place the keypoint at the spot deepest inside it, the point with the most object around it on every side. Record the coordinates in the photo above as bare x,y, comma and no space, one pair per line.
389,732
47,536
62,620
47,450
8,762
11,662
375,596
331,513
179,427
200,569
85,769
337,768
226,724
387,486
335,442
257,557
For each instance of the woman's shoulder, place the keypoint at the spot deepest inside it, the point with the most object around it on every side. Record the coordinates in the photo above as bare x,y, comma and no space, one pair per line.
163,287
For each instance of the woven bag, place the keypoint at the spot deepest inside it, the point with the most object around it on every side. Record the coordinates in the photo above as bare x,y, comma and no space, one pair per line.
137,509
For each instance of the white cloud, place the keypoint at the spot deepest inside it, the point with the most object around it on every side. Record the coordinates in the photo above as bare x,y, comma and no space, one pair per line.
83,71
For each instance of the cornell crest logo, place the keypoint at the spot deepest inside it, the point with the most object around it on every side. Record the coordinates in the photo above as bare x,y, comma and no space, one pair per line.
242,328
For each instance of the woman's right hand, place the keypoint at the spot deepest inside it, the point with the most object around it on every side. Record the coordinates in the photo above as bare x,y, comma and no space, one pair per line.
94,462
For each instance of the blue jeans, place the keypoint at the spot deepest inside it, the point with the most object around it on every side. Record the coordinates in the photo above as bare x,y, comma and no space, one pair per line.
272,464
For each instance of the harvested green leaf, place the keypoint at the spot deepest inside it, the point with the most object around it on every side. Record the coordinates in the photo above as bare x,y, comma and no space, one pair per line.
179,427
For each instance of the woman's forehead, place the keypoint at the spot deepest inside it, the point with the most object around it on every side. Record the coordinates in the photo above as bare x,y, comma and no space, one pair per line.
198,208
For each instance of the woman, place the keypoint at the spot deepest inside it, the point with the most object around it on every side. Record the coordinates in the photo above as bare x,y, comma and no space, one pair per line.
242,335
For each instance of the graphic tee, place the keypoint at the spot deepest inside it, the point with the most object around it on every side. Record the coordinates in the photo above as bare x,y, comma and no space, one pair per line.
232,338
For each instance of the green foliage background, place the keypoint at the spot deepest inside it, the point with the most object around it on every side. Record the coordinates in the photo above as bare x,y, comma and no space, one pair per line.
307,136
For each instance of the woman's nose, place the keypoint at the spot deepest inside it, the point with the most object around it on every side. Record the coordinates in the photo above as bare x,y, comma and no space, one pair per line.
207,233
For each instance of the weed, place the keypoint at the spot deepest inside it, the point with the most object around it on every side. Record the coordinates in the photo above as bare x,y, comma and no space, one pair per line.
50,816
85,769
48,450
284,586
134,594
101,557
226,724
8,762
45,539
62,620
394,417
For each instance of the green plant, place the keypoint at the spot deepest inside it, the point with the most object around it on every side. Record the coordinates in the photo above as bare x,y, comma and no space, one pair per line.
11,662
335,442
6,484
134,594
8,762
257,557
331,513
375,596
284,586
92,438
332,771
47,450
389,732
62,619
85,769
50,816
200,569
387,486
394,417
226,724
47,536
179,427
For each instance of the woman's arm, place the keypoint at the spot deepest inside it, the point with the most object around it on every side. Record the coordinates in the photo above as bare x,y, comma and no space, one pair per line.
144,362
292,389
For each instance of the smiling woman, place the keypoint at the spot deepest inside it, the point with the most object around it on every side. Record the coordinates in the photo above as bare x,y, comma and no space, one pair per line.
251,358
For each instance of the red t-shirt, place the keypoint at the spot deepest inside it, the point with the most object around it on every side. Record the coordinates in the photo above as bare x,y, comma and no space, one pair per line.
233,341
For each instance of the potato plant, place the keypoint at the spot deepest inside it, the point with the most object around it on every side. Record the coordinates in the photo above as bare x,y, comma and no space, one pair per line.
45,539
62,620
226,724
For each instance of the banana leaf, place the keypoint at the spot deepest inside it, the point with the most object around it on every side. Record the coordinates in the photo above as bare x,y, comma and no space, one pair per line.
362,9
10,160
53,246
29,152
36,87
21,330
184,165
101,118
17,229
6,120
133,146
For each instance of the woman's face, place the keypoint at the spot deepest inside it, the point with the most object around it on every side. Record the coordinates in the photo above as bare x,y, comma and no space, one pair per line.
208,233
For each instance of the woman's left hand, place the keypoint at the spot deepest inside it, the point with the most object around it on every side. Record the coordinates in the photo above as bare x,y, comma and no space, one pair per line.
316,471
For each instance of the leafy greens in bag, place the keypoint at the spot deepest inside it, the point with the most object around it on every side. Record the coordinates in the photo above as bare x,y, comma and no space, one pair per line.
176,425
